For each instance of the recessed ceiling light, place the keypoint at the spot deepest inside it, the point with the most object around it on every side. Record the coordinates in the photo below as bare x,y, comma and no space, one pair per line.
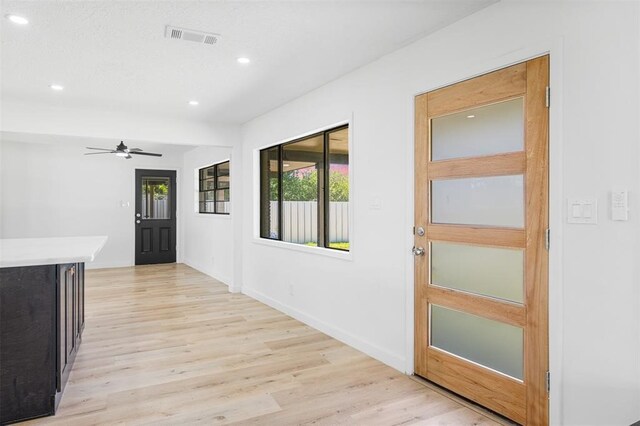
17,19
194,103
56,87
244,60
471,116
286,165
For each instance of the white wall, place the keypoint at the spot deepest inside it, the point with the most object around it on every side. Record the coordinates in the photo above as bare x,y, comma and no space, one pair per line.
595,271
53,190
208,238
50,119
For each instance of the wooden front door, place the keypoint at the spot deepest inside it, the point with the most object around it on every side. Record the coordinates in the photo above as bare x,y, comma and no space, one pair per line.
155,218
481,266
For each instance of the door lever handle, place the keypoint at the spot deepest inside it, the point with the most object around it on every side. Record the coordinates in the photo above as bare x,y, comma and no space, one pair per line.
417,251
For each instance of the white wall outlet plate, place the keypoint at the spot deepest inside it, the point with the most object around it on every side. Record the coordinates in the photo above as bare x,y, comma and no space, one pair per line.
582,210
375,203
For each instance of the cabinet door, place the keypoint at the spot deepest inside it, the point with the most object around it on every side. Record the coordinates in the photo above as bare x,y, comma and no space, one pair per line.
67,315
80,299
76,308
70,319
62,325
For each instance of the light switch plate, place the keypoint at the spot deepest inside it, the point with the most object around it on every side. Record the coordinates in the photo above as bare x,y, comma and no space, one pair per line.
375,203
582,210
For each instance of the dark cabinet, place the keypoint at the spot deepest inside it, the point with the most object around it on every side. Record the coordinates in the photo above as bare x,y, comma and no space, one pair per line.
41,323
71,318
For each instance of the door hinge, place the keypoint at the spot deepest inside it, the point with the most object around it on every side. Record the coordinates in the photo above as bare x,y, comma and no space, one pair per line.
548,382
414,230
547,100
547,238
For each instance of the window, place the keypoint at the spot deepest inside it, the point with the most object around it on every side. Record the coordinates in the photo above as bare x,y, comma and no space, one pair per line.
214,189
304,190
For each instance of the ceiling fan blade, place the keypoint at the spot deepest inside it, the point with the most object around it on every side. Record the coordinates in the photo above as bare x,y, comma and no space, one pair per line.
96,153
134,150
151,154
101,149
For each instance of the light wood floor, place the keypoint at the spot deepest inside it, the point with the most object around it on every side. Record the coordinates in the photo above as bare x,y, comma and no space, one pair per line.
165,344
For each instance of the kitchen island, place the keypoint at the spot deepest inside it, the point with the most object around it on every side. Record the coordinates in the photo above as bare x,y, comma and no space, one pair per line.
41,320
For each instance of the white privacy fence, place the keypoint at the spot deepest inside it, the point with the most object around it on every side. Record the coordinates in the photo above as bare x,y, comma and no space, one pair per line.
222,206
155,209
300,219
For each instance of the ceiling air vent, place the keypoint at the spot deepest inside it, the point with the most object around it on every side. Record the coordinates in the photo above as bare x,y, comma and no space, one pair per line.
176,33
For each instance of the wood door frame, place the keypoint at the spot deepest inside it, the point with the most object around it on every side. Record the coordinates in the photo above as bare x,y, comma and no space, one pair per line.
554,48
132,208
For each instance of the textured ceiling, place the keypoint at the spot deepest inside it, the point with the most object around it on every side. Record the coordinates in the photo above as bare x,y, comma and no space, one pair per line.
113,54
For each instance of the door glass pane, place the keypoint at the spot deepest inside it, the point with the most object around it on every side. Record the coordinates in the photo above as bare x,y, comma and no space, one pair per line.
486,342
486,271
490,201
155,198
269,193
487,130
338,225
223,175
301,162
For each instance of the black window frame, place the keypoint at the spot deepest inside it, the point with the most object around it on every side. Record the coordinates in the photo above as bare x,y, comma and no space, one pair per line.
201,190
323,196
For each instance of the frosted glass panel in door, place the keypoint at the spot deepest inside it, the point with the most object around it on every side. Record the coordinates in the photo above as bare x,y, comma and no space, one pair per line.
487,271
486,342
487,130
489,201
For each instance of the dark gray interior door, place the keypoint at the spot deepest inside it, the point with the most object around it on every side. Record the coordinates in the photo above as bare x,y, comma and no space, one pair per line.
155,217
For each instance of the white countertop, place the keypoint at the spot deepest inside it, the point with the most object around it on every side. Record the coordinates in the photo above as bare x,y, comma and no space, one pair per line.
49,251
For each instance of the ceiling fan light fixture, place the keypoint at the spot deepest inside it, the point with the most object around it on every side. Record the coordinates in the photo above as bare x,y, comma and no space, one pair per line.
122,151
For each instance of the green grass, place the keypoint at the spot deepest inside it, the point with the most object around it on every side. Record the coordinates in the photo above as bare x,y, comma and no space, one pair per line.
343,245
340,245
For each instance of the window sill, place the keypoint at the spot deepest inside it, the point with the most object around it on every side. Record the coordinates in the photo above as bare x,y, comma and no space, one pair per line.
321,251
219,216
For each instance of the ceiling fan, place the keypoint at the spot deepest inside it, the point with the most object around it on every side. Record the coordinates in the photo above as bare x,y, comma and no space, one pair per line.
122,151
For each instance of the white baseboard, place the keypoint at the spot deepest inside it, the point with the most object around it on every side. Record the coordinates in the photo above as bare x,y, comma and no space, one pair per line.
208,271
374,351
